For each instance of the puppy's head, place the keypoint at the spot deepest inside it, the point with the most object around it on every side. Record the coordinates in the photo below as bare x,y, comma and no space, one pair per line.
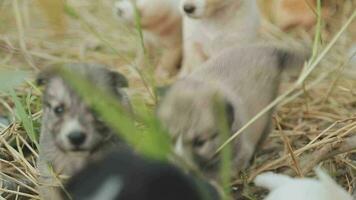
152,12
67,121
125,10
203,8
189,112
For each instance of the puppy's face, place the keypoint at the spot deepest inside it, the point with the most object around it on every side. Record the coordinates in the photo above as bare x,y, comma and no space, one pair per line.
70,123
67,121
190,115
203,8
124,9
152,12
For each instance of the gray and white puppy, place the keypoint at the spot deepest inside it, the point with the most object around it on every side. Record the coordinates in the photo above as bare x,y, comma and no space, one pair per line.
247,79
71,133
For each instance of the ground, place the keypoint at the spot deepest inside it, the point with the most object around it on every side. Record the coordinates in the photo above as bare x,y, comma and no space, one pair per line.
313,125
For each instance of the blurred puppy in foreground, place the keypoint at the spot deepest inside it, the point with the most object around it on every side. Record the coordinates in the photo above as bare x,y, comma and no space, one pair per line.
162,27
71,133
247,79
125,176
213,25
283,187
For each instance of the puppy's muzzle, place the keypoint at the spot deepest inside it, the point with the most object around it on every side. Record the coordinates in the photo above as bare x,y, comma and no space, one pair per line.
189,8
76,138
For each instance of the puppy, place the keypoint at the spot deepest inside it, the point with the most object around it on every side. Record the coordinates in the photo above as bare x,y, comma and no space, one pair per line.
212,25
247,79
283,187
162,27
288,14
71,133
125,176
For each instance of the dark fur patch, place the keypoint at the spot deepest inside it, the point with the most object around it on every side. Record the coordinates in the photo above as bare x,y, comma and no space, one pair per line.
118,80
230,113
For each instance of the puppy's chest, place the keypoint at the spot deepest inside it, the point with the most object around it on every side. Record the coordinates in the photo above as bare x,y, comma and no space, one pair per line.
65,164
215,39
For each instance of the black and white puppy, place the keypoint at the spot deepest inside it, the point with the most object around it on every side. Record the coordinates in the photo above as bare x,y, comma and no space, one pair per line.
123,175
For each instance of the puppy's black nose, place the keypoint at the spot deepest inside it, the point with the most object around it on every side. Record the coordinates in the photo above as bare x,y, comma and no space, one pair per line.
77,138
189,8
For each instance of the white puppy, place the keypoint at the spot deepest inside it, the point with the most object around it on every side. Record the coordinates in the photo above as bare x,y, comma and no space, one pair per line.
212,25
162,27
283,187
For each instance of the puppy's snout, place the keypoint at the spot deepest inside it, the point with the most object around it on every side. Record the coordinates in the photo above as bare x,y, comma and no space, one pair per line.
189,8
77,138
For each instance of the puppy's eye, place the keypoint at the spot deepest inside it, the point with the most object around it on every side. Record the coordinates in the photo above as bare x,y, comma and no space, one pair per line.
198,142
59,110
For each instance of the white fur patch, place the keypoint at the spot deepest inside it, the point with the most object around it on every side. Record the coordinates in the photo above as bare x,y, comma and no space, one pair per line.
283,187
178,147
108,190
68,127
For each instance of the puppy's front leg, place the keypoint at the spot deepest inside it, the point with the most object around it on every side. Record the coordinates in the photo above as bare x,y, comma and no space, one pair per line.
243,154
169,62
194,55
49,187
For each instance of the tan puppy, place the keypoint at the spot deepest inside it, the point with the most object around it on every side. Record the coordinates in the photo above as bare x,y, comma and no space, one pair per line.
212,25
288,14
162,27
247,78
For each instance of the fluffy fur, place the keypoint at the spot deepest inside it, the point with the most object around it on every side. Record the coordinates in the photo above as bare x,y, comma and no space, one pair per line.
246,85
162,26
215,25
283,187
288,14
65,115
123,175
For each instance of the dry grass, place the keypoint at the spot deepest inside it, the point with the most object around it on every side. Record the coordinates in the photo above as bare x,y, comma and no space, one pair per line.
314,124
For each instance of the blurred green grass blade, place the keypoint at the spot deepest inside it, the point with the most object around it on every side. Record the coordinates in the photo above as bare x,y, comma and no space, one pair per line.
70,11
317,36
24,118
148,79
153,142
139,29
226,153
10,79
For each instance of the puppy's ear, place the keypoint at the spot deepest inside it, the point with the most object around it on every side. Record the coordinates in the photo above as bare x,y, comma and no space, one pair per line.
47,73
230,113
43,77
118,80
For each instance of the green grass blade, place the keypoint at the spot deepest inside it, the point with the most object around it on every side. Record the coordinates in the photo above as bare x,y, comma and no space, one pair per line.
226,153
24,118
70,11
